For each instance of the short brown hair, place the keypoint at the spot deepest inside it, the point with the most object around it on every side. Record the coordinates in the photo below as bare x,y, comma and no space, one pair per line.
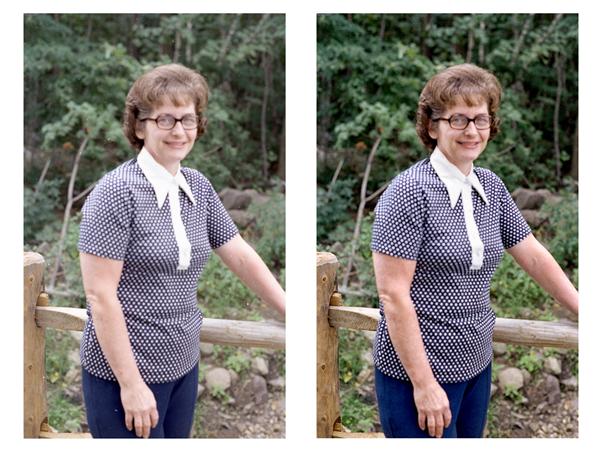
172,82
465,83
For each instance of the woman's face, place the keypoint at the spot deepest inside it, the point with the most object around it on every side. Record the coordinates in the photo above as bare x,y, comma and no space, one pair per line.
168,147
461,147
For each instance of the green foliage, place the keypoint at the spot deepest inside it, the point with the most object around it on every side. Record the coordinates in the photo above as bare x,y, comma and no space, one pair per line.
514,395
269,232
358,414
352,345
512,290
39,209
222,294
531,361
562,230
332,207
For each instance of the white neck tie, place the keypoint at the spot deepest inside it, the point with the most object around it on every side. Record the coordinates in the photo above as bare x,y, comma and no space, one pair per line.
472,230
185,248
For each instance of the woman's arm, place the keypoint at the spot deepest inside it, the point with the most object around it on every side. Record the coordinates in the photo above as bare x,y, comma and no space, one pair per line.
100,280
543,268
394,277
242,260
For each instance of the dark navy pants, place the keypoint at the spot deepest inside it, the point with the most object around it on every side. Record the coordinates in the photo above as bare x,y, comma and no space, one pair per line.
175,403
469,402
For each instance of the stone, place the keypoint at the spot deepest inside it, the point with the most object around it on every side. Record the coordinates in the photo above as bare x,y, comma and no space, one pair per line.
277,383
367,357
552,388
241,218
200,391
257,198
218,378
511,376
74,357
235,199
258,385
570,383
528,198
493,390
534,218
500,348
206,348
526,376
552,365
260,366
234,376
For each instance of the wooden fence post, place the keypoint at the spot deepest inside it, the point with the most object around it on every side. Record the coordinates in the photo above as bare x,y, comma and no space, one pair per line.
328,378
35,407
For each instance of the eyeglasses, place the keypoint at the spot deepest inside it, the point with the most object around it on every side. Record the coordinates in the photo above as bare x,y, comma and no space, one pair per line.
460,121
168,122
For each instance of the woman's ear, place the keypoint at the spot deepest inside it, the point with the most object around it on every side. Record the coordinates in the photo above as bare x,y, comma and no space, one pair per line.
139,129
432,129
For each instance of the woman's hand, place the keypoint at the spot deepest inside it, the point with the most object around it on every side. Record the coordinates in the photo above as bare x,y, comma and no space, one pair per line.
433,408
140,408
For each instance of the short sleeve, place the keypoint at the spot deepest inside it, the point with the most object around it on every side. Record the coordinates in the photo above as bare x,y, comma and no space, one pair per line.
399,215
219,224
106,220
513,226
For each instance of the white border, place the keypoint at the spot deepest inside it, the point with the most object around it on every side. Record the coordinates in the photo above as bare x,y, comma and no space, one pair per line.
301,196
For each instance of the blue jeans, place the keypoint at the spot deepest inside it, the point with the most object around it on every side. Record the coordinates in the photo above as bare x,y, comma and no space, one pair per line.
469,402
175,403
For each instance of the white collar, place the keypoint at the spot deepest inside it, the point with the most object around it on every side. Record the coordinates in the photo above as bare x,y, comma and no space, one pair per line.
453,178
160,178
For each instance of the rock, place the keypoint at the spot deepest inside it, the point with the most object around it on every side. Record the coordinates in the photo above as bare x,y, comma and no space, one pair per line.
528,198
200,391
258,385
235,199
367,357
499,348
278,383
552,365
526,376
363,376
206,348
77,335
570,383
534,218
257,198
74,357
552,388
260,366
337,248
510,376
241,218
218,378
493,390
234,376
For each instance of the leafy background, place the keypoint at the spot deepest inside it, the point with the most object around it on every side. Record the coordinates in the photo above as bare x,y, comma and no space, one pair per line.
371,70
78,69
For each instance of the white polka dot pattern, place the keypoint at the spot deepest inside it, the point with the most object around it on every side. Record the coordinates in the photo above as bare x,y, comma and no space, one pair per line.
121,220
414,220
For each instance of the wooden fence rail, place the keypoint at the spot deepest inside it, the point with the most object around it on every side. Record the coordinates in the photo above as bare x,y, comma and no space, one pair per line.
38,316
331,315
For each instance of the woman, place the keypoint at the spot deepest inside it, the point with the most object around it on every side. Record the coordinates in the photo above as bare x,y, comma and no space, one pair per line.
439,234
146,234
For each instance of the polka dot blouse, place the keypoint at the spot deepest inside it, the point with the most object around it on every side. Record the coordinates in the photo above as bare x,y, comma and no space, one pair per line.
122,221
414,220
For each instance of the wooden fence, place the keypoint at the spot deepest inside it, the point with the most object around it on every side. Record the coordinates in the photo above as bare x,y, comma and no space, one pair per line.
331,315
38,316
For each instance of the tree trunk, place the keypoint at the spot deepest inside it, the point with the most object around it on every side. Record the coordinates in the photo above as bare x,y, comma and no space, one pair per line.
359,214
267,67
67,214
559,64
574,172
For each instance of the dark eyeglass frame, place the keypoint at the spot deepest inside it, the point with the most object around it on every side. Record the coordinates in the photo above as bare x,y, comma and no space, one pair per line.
199,121
469,120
